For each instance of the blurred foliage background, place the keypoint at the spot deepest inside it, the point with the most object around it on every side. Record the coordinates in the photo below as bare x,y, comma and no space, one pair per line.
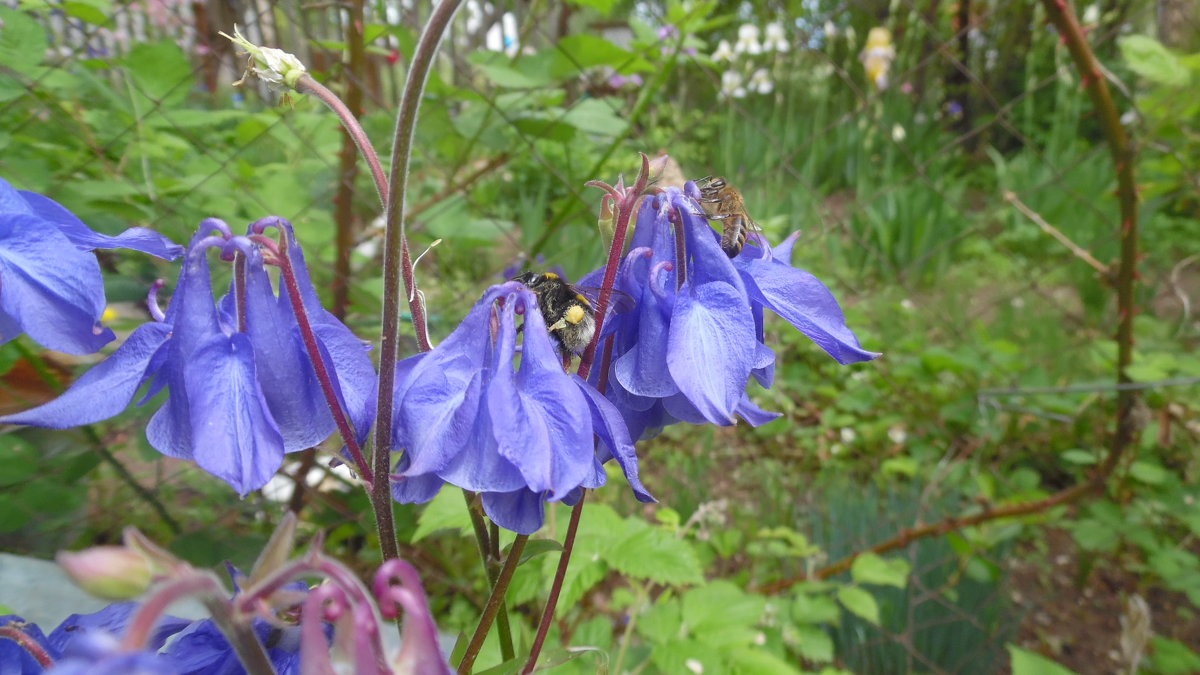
912,194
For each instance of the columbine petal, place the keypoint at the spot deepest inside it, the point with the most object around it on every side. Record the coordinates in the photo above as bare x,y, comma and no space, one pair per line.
803,301
49,288
105,390
611,429
538,416
135,238
234,436
711,349
522,511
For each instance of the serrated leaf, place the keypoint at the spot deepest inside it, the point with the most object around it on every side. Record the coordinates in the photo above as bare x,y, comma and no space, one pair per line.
446,511
870,568
596,116
657,556
22,42
160,71
1025,662
722,614
758,661
860,602
1150,59
662,622
538,547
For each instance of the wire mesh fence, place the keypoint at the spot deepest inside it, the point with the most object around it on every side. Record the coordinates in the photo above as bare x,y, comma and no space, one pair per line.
934,158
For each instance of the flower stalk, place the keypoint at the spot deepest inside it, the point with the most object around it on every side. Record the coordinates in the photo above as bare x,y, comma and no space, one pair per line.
494,603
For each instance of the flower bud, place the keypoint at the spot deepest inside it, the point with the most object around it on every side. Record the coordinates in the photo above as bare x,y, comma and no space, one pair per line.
109,572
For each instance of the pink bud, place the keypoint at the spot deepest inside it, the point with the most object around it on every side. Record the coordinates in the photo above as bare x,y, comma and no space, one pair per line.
109,572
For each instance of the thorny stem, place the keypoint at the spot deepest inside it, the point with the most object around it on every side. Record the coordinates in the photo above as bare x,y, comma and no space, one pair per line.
397,266
495,600
324,377
1126,274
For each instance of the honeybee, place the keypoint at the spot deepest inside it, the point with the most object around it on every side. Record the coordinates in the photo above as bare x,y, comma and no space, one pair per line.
723,202
568,313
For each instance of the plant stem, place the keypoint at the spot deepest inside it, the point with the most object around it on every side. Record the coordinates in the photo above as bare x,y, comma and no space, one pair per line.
347,165
397,266
495,600
306,84
489,546
12,632
560,575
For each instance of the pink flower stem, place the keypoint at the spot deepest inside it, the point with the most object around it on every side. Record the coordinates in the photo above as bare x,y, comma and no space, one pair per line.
13,632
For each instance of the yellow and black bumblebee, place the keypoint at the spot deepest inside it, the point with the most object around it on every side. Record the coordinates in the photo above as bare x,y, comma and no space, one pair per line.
568,313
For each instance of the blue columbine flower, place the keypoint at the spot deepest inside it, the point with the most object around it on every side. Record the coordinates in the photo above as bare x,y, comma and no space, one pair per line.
689,349
50,283
242,391
520,435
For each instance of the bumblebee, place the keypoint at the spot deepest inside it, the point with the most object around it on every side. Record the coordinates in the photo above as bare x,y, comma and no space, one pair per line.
723,202
569,315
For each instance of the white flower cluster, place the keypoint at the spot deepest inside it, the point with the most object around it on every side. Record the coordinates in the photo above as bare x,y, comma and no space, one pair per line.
742,76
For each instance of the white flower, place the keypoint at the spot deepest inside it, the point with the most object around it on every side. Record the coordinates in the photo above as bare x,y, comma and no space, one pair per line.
898,133
775,38
897,434
748,40
908,305
1091,15
731,84
830,30
695,666
279,69
761,82
848,435
851,36
724,52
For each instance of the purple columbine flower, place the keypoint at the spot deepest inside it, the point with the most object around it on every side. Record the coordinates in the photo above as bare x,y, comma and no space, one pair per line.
696,337
521,436
242,390
50,283
85,643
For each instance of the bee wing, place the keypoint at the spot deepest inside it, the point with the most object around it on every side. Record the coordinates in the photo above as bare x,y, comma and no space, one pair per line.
619,302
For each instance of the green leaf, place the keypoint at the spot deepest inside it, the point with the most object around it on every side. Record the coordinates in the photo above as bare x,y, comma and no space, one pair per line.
721,614
658,556
757,661
1150,59
662,623
814,609
22,42
901,466
446,511
537,547
1025,662
19,459
91,12
1077,456
860,602
576,53
602,6
869,568
596,116
1173,658
814,644
1093,535
1148,473
160,71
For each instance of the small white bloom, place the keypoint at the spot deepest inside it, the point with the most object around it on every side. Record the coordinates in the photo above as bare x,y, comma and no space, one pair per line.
848,435
731,84
775,38
851,36
748,40
1091,15
1018,303
897,434
898,133
907,304
695,666
761,82
1129,117
830,30
760,639
279,69
724,51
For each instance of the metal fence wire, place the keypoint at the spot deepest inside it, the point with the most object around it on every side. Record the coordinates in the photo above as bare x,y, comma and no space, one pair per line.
867,141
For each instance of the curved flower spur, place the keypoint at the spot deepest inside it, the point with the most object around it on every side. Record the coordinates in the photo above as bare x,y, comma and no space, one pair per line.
517,430
242,390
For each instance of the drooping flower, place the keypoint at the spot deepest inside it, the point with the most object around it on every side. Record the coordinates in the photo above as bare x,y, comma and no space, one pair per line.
877,56
521,436
747,41
731,84
242,390
50,283
760,81
420,653
688,350
775,38
280,70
